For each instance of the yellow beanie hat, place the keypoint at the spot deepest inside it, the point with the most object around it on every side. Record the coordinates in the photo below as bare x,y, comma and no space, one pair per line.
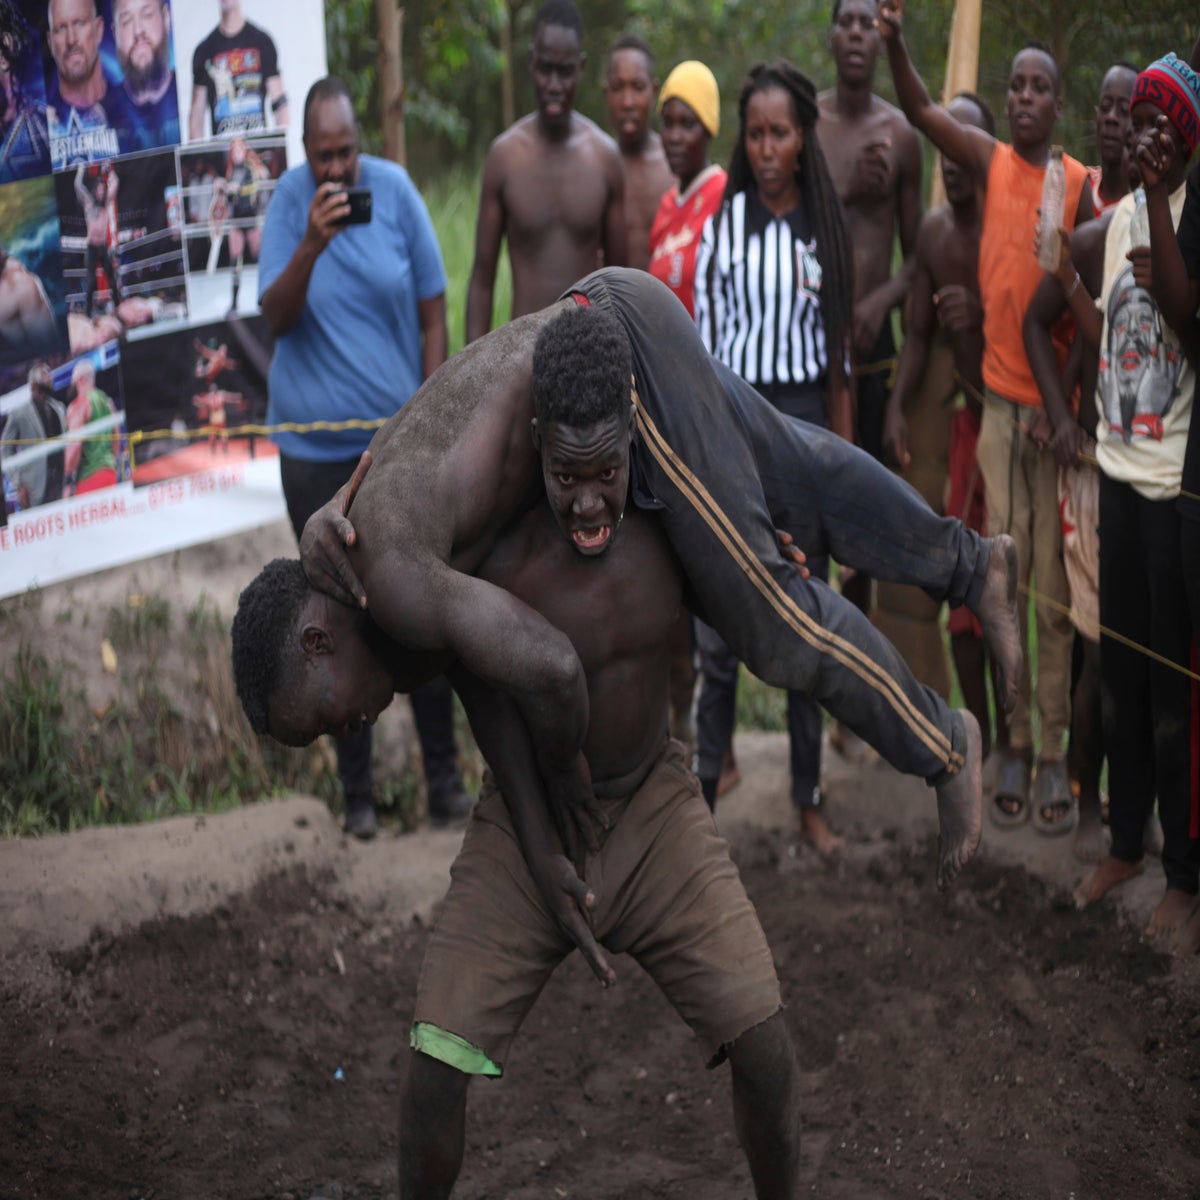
694,84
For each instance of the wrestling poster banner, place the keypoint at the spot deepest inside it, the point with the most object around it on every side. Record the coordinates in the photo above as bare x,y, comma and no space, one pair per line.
140,144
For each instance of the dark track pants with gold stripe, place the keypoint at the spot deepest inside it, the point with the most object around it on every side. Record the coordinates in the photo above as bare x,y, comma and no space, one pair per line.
724,469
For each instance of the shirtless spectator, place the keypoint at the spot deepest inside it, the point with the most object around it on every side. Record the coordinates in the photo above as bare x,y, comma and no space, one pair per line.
1110,179
94,202
941,357
553,184
630,90
874,156
26,319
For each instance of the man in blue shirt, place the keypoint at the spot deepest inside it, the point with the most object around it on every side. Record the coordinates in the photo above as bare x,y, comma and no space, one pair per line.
359,314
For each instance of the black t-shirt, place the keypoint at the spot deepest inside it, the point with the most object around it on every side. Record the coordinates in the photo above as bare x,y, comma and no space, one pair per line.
234,71
1189,245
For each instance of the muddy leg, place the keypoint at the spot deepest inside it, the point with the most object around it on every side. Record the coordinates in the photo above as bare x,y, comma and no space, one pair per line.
766,1107
970,665
999,615
960,808
433,1109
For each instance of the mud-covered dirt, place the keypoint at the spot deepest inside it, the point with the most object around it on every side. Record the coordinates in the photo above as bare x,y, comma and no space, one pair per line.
992,1043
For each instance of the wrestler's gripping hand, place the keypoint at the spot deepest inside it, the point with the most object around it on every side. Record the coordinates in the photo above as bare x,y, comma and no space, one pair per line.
323,543
792,552
568,898
576,812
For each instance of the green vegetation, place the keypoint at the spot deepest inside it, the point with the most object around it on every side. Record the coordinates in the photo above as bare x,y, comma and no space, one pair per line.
148,752
462,58
453,203
170,740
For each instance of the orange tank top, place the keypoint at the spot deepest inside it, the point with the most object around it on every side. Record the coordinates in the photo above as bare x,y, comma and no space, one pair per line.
1009,271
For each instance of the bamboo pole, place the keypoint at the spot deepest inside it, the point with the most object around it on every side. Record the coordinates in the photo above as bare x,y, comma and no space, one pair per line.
962,69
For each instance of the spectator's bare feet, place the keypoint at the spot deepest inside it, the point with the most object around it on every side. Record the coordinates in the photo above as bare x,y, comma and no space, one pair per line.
1090,843
1187,940
1000,617
960,808
1110,873
1172,913
817,833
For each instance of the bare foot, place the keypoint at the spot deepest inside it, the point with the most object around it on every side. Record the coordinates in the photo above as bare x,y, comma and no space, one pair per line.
817,833
999,615
1187,940
1110,873
1090,843
960,809
1172,912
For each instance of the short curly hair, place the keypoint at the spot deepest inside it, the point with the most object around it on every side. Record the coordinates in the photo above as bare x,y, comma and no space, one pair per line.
582,368
562,14
267,613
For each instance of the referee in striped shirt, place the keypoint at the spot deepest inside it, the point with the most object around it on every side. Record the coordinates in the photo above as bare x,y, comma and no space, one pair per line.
773,300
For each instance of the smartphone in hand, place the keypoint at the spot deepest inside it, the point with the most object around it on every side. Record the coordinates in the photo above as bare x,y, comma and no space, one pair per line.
359,200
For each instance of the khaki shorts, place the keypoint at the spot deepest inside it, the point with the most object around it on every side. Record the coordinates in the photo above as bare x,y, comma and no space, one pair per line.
1079,508
667,893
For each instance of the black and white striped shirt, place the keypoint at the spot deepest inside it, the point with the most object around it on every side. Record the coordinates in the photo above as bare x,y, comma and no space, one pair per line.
758,293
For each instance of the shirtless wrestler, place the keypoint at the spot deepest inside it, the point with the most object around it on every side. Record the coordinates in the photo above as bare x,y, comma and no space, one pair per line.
666,890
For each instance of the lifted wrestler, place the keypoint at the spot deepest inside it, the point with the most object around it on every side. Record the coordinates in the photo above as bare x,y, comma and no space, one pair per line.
423,537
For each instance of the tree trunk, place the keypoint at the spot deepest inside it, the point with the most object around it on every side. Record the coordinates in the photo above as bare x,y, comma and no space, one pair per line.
391,78
507,104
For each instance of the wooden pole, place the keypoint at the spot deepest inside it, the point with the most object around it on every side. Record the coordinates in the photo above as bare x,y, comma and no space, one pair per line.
391,78
962,69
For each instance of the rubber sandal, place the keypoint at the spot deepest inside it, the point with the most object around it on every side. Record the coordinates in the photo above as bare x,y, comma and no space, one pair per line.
1052,809
1012,785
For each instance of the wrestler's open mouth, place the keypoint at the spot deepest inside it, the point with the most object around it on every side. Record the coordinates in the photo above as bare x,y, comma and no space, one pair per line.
591,539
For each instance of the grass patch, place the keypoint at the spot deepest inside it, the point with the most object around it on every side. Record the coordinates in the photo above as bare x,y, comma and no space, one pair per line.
146,752
453,203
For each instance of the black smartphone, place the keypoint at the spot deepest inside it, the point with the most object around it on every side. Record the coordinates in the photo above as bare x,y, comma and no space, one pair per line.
359,200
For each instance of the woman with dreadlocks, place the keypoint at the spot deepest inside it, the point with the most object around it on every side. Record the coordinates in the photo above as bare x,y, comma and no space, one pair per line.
774,295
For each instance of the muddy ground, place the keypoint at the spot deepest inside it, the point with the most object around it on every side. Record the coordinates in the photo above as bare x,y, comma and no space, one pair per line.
247,1038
